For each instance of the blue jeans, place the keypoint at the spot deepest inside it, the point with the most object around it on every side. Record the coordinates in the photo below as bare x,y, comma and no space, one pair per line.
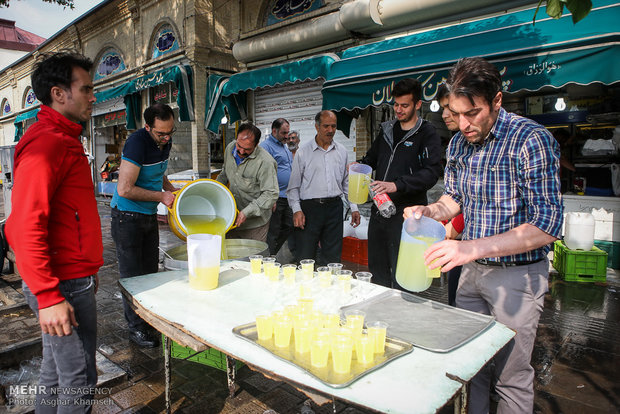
137,241
69,361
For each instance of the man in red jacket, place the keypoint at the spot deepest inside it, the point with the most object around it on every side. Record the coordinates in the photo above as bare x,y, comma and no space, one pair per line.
55,231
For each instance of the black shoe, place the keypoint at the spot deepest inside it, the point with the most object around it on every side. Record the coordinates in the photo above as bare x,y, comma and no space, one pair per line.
143,338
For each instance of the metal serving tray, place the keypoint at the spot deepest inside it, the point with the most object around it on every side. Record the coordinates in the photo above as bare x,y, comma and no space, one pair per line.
393,349
425,323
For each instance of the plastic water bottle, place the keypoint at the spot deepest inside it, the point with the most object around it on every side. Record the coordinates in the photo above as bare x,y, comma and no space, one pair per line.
383,202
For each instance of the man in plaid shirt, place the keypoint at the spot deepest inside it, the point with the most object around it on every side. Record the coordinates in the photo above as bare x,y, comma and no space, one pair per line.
502,173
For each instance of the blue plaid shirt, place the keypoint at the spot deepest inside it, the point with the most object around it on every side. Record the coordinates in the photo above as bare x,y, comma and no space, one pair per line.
510,179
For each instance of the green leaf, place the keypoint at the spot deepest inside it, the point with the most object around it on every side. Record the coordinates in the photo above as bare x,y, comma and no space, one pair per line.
579,8
554,8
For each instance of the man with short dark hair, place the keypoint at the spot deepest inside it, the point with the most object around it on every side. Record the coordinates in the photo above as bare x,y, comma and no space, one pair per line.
55,231
407,159
281,223
251,175
319,179
502,173
134,206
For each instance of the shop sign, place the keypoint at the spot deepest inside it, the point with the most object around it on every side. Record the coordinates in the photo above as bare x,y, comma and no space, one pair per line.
110,119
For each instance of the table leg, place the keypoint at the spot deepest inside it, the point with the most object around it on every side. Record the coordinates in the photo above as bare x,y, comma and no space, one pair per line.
460,402
167,356
231,373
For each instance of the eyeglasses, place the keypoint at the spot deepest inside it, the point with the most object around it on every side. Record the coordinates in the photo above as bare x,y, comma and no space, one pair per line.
164,134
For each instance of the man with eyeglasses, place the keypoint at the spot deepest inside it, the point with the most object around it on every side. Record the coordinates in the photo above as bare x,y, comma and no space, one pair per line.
134,206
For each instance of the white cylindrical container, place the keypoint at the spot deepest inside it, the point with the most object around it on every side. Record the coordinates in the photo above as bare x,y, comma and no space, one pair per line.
579,231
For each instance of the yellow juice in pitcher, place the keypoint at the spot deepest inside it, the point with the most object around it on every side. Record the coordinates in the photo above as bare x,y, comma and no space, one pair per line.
358,188
206,224
411,272
204,278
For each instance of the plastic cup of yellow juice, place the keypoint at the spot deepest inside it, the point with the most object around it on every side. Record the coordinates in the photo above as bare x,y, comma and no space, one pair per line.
272,271
344,280
331,321
355,321
305,289
307,267
264,327
303,336
319,352
256,263
289,271
282,332
325,277
378,331
365,349
306,304
334,267
342,352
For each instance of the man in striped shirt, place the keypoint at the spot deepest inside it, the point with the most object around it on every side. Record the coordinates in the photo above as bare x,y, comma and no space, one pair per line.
502,172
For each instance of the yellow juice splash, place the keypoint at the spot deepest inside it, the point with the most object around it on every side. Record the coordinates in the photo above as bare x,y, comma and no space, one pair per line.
358,188
204,278
206,224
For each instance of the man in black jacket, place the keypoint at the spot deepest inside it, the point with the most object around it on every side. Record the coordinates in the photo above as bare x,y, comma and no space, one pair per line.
407,158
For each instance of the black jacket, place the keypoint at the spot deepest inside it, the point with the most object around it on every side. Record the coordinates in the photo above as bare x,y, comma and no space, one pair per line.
414,163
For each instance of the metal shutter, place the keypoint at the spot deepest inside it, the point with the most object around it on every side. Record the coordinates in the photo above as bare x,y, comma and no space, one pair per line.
298,103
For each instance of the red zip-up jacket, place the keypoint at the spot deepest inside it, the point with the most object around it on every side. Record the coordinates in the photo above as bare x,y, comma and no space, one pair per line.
54,225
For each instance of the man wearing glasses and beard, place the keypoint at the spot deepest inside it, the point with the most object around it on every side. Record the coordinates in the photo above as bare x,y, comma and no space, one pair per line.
134,206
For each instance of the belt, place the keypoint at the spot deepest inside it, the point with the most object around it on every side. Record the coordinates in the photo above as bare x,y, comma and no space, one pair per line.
131,213
486,262
324,200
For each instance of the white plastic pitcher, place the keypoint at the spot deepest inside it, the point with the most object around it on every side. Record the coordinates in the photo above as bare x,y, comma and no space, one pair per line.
203,260
417,234
359,178
579,231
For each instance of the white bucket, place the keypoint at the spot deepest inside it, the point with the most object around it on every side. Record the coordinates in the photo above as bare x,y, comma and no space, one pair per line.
579,231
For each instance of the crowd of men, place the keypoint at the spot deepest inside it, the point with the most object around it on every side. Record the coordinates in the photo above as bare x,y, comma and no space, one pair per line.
501,174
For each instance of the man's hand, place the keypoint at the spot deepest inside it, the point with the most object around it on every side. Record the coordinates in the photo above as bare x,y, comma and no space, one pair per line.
57,319
167,198
240,219
355,218
299,219
381,187
416,212
448,254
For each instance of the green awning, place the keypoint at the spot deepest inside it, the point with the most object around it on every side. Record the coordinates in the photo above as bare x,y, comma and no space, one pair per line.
549,53
19,127
180,75
231,92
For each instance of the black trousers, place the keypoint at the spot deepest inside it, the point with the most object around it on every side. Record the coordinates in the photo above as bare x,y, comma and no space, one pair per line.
137,241
383,244
280,225
324,226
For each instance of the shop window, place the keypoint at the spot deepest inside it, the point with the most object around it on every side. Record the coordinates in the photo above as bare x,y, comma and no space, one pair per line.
165,41
109,63
165,93
30,99
280,10
6,107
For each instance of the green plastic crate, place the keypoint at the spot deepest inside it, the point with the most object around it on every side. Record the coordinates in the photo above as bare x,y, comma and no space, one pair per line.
579,265
209,356
613,252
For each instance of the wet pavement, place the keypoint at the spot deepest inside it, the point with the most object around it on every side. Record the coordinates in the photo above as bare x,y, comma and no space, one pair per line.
576,355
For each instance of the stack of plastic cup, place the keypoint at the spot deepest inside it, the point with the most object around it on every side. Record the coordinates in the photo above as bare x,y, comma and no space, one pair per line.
256,262
363,276
378,331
